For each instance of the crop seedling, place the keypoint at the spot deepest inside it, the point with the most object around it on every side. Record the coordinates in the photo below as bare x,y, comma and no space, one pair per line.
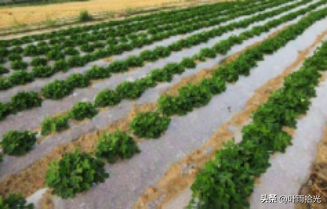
18,142
161,75
133,61
60,65
43,71
87,48
14,57
78,80
188,63
215,85
17,49
75,61
56,90
114,146
118,66
55,54
5,83
18,65
71,51
88,58
68,43
30,50
97,73
3,70
162,51
3,51
100,53
41,43
38,61
14,201
83,110
174,68
25,100
106,98
21,77
206,53
75,173
4,110
43,50
129,90
148,55
149,124
56,124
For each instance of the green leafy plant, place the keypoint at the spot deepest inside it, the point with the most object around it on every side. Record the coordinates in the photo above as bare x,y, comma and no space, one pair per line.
190,96
75,61
75,173
174,68
43,50
97,73
55,124
18,142
161,75
18,65
129,90
3,51
100,53
148,55
216,85
87,48
83,110
149,124
206,53
106,98
71,51
60,65
17,49
5,83
21,77
133,61
3,70
25,100
43,71
169,105
116,145
162,51
56,90
118,66
14,201
55,54
77,80
14,57
30,50
188,63
37,61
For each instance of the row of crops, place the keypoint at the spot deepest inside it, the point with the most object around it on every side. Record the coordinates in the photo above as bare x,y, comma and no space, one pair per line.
65,61
131,90
221,184
260,139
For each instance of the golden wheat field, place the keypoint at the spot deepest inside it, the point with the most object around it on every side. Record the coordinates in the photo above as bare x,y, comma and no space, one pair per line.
10,16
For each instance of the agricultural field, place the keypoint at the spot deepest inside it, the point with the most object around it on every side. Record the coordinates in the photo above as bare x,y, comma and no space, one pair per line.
14,15
214,106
